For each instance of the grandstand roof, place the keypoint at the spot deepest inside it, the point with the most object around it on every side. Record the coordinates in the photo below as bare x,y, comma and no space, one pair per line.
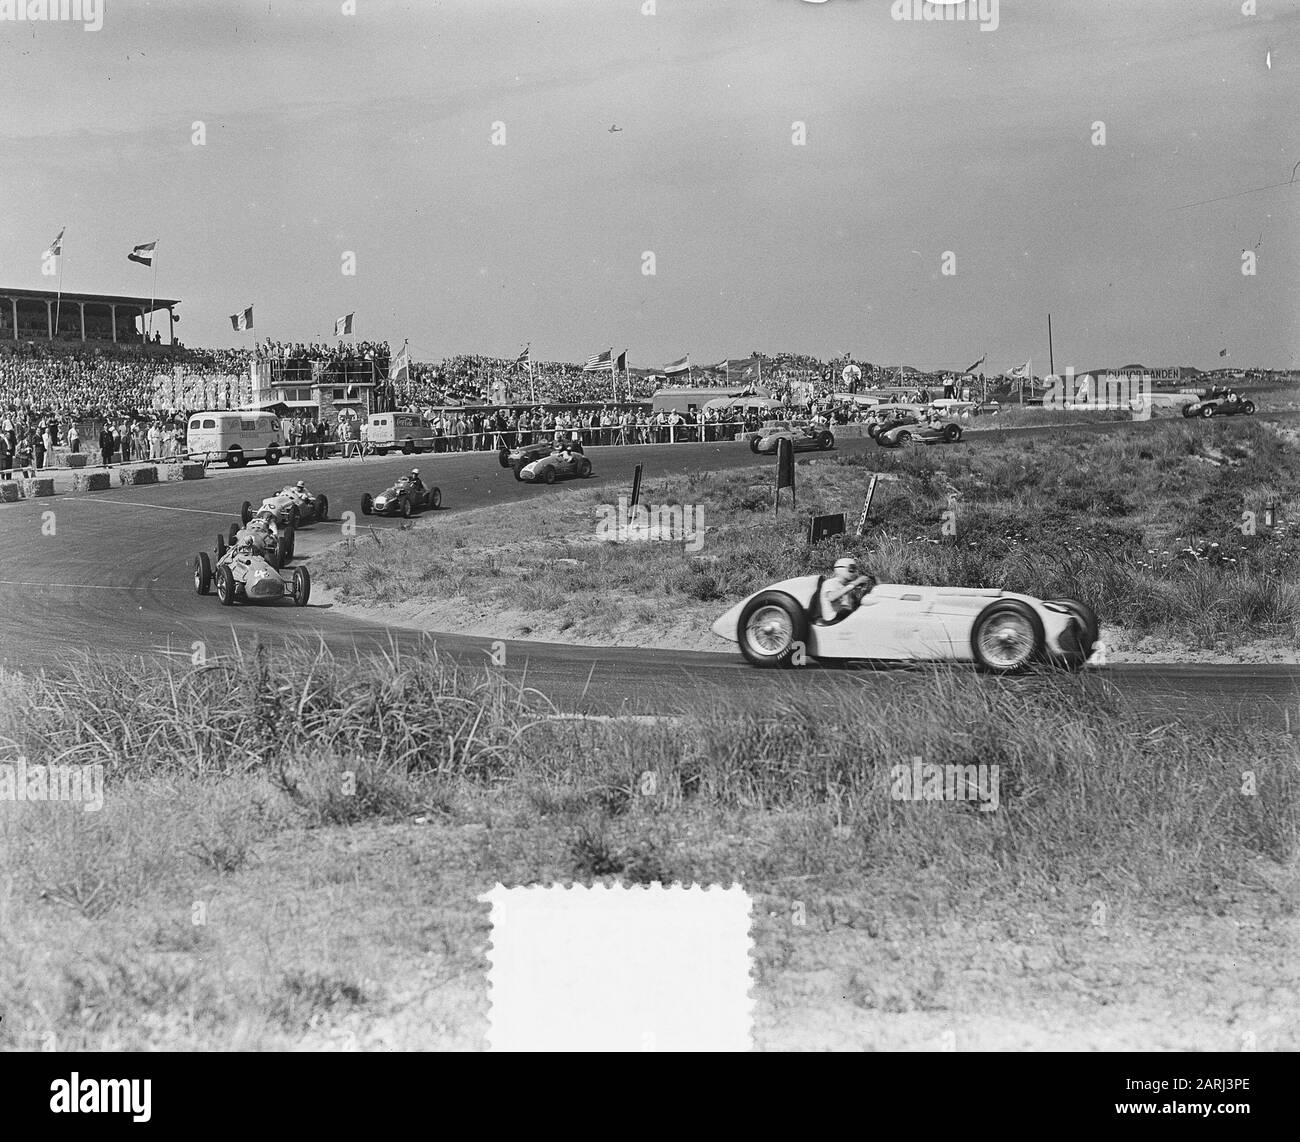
145,303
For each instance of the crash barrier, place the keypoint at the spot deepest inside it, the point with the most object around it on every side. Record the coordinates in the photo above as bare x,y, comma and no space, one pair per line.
184,470
133,476
99,481
9,492
74,459
34,486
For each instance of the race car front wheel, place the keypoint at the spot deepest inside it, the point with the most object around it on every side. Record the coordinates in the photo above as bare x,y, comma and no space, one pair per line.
504,458
225,587
202,573
1248,407
245,512
772,630
301,586
753,445
952,433
406,507
519,472
435,498
826,441
584,469
1007,637
367,503
322,507
1207,411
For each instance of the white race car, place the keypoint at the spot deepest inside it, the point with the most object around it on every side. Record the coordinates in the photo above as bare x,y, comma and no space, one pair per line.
999,631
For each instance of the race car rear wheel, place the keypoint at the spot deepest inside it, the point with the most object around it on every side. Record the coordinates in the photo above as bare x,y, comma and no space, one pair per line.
753,445
584,469
772,629
295,516
1207,411
826,441
503,457
1089,627
548,476
873,429
406,507
519,471
301,586
952,433
221,545
245,512
231,534
282,554
202,573
367,503
322,507
1007,637
904,437
225,587
435,498
291,537
1248,407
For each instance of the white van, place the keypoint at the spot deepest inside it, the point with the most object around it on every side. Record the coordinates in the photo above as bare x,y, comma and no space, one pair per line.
235,437
405,430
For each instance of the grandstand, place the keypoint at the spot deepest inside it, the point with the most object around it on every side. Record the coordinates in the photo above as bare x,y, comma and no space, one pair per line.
82,318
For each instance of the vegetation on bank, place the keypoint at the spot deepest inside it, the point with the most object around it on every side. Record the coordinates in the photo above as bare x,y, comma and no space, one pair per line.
217,777
1161,530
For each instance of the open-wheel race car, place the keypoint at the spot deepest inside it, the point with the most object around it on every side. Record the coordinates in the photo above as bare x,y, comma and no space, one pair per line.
406,496
1220,403
563,463
243,576
1001,632
887,416
522,455
930,431
293,505
273,541
804,438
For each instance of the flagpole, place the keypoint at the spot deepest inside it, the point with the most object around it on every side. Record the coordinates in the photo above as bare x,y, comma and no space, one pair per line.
153,289
58,301
532,389
613,382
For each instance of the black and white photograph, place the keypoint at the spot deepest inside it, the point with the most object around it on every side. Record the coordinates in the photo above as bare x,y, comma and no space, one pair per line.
735,526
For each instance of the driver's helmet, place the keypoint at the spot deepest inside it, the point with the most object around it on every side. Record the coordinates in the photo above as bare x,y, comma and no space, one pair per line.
300,486
265,515
415,474
244,542
846,569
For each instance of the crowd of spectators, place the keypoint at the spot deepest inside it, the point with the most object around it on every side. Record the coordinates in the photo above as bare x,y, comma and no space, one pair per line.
304,362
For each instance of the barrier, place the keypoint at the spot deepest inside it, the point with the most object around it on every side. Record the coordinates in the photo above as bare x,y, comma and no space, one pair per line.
35,486
9,492
75,459
191,470
130,477
91,482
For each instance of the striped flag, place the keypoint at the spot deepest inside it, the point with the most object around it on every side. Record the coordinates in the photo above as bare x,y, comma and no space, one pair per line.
600,362
972,368
524,358
400,367
682,365
1020,372
343,325
143,254
242,320
56,247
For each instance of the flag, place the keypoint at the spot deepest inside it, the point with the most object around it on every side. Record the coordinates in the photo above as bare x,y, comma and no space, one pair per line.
143,254
242,320
621,364
399,368
343,325
599,362
524,358
972,368
681,365
56,247
1020,372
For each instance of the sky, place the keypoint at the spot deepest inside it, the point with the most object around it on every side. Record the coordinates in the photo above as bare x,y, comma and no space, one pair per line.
374,127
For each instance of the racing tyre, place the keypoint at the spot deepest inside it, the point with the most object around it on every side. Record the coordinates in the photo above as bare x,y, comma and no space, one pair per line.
519,471
221,547
503,457
753,445
1007,637
322,508
292,537
1207,411
873,429
772,628
245,512
952,433
1187,411
272,457
826,441
548,476
225,587
435,498
202,573
367,503
903,437
231,534
282,553
301,586
1248,407
406,507
295,517
1089,629
584,469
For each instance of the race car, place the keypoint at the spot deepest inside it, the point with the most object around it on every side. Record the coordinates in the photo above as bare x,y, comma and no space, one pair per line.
403,498
272,541
1219,403
520,457
925,431
1001,632
293,505
889,415
558,465
243,576
805,438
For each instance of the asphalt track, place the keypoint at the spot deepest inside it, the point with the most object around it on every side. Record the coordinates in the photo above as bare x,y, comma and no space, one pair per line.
115,576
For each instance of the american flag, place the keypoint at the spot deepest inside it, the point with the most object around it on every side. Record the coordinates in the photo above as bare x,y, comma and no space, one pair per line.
600,362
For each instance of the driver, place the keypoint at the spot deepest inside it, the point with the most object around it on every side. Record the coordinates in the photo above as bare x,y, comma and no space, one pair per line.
414,477
243,544
841,593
